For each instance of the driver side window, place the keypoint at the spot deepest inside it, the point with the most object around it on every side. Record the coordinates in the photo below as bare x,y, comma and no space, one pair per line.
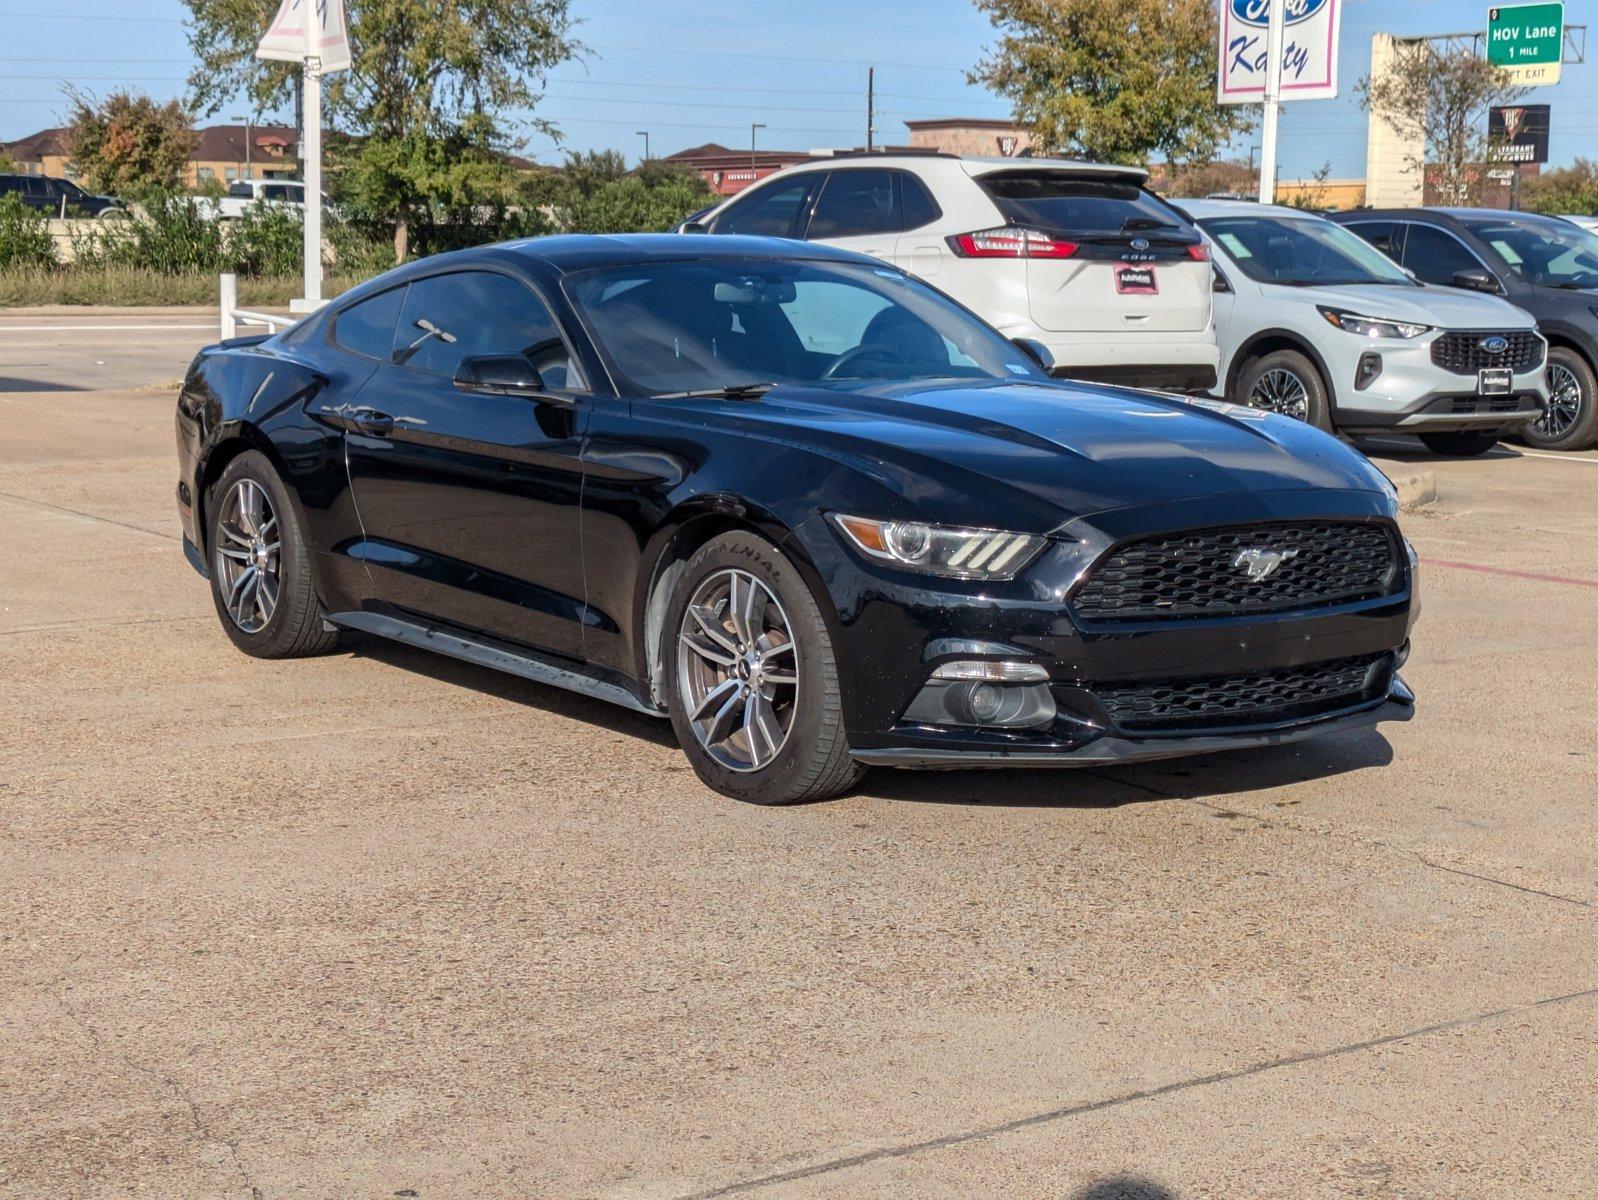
447,318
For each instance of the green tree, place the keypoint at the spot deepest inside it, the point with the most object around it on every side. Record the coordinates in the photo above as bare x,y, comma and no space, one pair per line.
1112,80
1440,96
425,103
1569,190
127,144
595,193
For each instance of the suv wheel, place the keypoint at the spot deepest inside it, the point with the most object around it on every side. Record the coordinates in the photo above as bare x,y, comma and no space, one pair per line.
752,683
261,565
1461,443
1288,383
1570,421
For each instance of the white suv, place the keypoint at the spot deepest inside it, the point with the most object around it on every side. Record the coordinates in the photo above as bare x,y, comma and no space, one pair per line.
1315,323
1078,257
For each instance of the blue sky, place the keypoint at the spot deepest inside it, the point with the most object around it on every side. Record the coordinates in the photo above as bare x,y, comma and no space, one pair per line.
689,73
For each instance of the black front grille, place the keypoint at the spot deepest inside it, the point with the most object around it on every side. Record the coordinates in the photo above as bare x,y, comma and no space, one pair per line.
1207,572
1463,354
1270,696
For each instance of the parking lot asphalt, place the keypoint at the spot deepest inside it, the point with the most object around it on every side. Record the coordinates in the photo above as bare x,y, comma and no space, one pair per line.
379,924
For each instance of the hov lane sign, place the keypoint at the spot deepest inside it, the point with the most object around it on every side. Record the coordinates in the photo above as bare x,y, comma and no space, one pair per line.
1527,41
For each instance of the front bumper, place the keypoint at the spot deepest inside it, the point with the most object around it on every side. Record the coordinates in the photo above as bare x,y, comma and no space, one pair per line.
1111,749
894,629
1413,394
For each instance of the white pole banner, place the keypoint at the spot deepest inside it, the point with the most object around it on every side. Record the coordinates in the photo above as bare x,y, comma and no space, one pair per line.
1308,57
287,36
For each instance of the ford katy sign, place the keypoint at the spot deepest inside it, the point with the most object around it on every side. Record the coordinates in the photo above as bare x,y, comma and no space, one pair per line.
1309,49
1257,12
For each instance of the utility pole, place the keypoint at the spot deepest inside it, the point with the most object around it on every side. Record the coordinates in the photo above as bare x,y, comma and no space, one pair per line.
1273,99
644,133
249,172
754,125
871,106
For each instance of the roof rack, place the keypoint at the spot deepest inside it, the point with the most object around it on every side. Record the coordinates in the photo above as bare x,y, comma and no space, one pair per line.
894,152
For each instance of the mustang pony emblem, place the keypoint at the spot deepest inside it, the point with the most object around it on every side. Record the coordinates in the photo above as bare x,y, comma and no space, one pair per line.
1261,563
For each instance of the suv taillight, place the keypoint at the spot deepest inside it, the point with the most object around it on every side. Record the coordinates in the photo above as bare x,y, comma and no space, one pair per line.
1199,253
1010,241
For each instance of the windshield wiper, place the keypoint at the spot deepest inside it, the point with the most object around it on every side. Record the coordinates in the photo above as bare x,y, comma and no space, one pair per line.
1132,223
732,391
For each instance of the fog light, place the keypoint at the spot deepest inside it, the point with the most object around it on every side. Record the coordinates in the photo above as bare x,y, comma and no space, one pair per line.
1370,366
986,701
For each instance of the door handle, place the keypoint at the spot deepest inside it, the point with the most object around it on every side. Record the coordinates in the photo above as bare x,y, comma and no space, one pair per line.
370,420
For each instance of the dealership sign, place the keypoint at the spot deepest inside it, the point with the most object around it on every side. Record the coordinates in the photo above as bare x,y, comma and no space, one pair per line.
1309,49
1518,133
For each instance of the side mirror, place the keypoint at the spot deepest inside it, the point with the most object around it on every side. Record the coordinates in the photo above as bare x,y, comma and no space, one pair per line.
1036,351
1476,279
693,227
499,375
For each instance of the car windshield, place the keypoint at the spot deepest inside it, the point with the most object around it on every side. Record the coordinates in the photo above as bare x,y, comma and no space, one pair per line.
1301,252
715,324
1543,252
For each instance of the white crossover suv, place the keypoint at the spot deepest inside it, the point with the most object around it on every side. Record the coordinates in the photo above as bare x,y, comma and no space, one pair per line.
1316,323
1081,258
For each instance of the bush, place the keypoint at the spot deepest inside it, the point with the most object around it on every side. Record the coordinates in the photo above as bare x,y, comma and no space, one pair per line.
267,240
170,235
24,235
1572,190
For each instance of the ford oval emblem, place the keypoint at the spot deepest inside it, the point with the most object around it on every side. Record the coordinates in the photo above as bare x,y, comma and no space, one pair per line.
1140,244
1257,12
1495,344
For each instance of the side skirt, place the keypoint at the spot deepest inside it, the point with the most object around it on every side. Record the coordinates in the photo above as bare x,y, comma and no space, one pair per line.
523,663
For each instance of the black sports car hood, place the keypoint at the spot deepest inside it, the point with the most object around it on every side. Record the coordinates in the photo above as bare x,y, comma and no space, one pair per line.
1078,449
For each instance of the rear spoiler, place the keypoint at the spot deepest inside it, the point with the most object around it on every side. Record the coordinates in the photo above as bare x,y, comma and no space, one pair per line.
979,167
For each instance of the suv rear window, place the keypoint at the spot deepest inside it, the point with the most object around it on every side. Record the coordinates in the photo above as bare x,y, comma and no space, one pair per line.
1065,202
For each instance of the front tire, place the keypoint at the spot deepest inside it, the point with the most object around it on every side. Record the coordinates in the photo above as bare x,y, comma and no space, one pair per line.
752,682
261,564
1288,383
1461,443
1570,421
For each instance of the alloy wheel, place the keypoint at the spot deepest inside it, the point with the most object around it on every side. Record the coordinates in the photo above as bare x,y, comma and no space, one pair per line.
1564,402
738,670
1281,391
248,556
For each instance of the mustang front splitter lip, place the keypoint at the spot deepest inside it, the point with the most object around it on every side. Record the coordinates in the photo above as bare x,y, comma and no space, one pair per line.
1111,749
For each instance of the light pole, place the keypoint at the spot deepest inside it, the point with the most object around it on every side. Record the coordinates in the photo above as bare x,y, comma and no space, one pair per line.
644,133
754,125
247,167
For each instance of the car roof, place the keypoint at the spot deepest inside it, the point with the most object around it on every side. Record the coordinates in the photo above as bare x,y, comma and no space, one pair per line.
1199,209
972,164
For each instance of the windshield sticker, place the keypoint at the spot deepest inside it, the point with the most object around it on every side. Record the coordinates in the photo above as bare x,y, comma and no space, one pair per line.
1234,244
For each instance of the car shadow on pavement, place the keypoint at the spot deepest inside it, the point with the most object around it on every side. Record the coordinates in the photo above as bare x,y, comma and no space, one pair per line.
541,696
1404,450
1211,775
1123,1187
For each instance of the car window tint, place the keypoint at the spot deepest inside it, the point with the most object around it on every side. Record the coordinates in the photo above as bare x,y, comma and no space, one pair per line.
450,317
276,191
1065,202
1381,234
918,205
832,317
1435,256
773,211
367,327
241,189
855,204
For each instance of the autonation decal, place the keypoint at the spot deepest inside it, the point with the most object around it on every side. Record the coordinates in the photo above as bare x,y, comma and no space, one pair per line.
1309,50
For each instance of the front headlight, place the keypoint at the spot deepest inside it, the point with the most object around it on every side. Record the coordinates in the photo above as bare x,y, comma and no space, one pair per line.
940,549
1376,327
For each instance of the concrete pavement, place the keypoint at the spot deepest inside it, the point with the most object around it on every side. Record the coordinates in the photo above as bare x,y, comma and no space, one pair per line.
381,924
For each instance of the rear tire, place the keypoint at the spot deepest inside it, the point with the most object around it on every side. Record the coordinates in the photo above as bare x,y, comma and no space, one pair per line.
1571,421
260,564
1286,382
754,658
1462,444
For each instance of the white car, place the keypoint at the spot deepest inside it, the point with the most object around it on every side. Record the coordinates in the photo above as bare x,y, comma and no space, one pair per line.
1590,224
1080,258
242,193
1316,323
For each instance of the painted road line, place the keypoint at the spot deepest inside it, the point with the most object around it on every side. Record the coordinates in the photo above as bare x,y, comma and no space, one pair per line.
1571,458
1567,580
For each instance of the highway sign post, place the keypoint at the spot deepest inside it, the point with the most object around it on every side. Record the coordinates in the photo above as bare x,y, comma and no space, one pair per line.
1527,41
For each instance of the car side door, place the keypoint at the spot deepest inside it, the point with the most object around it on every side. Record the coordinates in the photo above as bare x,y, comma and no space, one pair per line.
776,209
1435,255
858,209
469,498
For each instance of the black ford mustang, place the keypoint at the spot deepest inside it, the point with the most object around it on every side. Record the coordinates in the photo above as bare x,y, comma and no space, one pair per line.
805,505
